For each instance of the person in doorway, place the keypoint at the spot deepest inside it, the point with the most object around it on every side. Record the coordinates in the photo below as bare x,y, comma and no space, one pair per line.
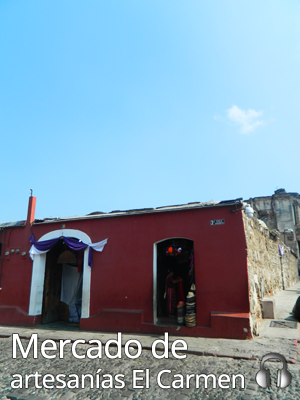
171,292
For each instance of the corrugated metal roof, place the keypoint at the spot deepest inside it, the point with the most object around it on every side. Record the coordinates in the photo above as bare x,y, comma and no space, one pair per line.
180,207
11,224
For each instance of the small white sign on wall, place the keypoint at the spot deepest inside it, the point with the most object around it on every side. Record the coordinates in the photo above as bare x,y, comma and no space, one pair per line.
217,221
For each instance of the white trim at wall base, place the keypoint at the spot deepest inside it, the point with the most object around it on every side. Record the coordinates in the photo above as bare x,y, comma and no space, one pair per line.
38,274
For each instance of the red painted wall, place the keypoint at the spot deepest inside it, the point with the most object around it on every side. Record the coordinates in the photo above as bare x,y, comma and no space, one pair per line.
15,276
122,275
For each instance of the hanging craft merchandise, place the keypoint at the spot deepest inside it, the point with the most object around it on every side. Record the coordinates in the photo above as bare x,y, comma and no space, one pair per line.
173,251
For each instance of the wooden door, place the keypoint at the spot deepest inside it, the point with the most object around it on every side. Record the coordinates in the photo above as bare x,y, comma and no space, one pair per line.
52,287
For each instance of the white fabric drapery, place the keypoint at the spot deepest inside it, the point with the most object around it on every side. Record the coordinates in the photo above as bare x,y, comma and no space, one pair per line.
99,246
71,291
71,281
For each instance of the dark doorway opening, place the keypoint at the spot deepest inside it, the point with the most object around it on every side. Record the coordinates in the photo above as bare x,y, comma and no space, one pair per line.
175,268
62,286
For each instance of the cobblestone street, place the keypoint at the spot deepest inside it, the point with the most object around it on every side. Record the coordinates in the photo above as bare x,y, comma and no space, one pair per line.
192,364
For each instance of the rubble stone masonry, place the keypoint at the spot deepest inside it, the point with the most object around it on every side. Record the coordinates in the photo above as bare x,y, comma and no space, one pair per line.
281,211
268,272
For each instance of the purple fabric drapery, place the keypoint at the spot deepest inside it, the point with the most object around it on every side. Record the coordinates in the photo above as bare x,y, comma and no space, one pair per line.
73,244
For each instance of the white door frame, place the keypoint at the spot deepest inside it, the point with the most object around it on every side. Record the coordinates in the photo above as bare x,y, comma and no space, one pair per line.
38,273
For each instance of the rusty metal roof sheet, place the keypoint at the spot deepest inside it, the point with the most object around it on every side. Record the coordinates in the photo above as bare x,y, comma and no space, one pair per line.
180,207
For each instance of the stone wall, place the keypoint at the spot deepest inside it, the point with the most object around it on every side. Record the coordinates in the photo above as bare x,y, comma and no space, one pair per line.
281,211
268,272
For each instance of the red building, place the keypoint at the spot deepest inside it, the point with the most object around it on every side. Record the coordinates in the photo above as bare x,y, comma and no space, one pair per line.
124,291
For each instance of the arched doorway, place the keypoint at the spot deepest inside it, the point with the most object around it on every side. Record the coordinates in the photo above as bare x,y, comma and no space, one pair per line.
175,256
62,295
38,274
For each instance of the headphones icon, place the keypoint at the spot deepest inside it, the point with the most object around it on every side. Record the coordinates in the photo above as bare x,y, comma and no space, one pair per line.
263,376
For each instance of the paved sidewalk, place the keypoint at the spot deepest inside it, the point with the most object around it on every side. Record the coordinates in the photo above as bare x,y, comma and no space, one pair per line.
284,303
